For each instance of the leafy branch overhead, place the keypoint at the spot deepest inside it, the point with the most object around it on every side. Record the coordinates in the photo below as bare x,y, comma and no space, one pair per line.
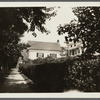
37,17
86,28
13,24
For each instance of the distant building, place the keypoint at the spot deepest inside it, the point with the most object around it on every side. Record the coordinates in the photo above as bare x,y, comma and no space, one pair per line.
42,50
73,49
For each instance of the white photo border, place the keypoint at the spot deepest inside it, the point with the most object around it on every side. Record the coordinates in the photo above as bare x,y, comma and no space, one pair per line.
94,96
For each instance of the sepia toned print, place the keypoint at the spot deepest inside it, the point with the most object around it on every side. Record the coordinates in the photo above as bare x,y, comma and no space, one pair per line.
50,49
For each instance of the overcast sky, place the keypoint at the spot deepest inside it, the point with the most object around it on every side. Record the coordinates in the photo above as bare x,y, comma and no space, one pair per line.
64,15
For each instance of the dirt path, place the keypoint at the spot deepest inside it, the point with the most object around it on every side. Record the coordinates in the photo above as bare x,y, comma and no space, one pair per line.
15,83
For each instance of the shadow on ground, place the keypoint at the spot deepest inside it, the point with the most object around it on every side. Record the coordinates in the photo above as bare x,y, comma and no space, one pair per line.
3,75
13,82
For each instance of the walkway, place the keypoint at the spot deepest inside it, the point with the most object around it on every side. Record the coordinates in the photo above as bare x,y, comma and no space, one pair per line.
15,83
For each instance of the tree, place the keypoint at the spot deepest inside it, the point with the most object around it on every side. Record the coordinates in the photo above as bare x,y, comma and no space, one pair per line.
13,26
86,28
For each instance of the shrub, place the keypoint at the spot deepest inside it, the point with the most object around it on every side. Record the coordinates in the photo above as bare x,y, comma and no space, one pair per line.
83,75
70,73
49,76
43,60
45,74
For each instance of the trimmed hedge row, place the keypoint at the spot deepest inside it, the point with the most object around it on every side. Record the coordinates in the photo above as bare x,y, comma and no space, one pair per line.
48,77
64,74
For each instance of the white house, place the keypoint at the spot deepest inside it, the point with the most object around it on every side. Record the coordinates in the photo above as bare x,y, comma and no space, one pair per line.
43,49
73,49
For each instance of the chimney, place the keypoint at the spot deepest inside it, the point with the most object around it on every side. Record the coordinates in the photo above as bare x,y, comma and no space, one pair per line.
57,41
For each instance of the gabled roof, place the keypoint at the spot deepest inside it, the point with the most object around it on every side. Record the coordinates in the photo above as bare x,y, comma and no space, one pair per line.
37,45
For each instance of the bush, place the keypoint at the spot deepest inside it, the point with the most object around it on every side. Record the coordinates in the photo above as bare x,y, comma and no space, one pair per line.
64,73
43,60
45,73
83,75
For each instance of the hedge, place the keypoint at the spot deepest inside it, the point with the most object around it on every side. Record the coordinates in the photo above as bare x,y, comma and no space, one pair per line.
64,74
84,75
44,76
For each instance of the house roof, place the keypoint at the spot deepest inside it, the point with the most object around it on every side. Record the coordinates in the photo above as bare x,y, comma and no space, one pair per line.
37,45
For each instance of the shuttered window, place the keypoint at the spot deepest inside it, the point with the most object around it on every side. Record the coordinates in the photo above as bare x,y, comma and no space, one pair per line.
53,55
40,55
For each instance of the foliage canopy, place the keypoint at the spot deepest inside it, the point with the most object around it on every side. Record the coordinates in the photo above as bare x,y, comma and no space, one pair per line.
13,26
86,28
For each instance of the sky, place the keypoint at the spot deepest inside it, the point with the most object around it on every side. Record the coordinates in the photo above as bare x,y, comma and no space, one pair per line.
64,15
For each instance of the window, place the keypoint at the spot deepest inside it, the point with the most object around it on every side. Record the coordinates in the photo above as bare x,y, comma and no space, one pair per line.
40,55
78,50
53,55
73,52
70,52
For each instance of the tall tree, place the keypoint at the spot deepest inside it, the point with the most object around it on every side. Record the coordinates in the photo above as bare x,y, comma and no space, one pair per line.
13,26
86,28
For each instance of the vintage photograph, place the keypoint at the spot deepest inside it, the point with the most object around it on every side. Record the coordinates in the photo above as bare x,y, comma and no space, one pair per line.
50,49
